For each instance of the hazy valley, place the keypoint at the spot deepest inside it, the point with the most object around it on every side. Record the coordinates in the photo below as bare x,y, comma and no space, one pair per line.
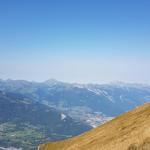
34,113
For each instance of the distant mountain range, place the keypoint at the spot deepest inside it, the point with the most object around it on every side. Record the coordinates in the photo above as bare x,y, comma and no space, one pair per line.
59,110
90,103
130,131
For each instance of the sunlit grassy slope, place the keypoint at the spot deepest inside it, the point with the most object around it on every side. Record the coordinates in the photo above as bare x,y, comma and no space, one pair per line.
130,131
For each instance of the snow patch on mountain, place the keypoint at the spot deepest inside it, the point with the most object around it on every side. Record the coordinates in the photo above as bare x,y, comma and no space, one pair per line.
63,116
96,91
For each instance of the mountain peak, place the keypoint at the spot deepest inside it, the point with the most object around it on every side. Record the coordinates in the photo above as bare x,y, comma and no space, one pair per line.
52,81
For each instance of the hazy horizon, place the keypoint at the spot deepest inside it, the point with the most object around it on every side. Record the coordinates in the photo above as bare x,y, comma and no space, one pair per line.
75,41
82,83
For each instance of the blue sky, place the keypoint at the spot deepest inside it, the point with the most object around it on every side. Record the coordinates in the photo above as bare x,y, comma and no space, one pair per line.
75,40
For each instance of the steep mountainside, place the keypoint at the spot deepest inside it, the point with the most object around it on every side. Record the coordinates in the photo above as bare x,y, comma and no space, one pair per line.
87,103
25,123
130,131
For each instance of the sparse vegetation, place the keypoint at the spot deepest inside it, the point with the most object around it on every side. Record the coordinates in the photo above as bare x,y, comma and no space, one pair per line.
144,146
133,147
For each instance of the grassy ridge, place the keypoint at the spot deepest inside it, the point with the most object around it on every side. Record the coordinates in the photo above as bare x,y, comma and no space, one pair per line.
130,131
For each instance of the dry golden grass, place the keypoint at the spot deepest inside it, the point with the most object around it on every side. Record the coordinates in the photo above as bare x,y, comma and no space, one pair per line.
130,131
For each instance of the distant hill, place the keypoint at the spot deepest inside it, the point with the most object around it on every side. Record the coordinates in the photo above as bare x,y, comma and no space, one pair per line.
88,103
130,131
25,123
